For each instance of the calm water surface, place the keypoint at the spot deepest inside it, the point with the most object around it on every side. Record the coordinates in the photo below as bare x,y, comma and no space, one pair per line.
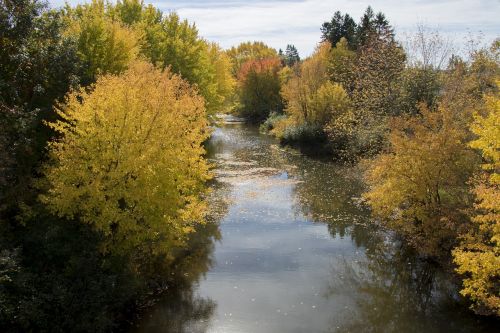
289,249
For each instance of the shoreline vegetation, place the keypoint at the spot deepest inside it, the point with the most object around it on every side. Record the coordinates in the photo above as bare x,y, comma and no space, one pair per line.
421,121
105,109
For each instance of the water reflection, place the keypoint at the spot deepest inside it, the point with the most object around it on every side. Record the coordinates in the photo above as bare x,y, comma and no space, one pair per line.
181,312
330,194
396,291
181,309
291,250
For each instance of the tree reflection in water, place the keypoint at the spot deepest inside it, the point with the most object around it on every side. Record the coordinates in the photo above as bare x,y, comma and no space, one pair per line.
180,309
329,193
394,290
278,254
391,289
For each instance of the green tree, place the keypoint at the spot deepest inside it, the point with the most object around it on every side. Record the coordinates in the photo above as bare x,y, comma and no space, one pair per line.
373,26
418,85
291,55
187,54
129,11
422,80
38,64
340,26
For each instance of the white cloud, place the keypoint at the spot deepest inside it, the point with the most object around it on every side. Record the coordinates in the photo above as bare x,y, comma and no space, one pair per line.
279,23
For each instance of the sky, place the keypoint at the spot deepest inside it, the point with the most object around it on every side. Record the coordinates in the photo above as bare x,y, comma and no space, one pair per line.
298,22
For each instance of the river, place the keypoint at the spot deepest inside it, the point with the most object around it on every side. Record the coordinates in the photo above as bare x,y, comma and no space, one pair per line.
289,248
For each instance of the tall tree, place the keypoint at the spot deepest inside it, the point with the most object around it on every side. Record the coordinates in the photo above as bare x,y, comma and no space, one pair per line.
340,26
104,45
366,26
181,48
341,65
38,64
300,88
379,68
224,79
129,11
373,26
291,55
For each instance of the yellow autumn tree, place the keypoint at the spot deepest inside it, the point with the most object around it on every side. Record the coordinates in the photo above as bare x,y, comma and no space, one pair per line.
249,51
104,45
299,90
224,79
130,162
315,106
418,187
329,103
478,256
341,65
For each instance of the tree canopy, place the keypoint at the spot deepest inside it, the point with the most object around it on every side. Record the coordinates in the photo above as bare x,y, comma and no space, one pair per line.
129,162
478,256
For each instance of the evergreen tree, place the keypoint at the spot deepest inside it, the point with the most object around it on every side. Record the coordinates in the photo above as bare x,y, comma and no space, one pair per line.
291,55
381,24
340,26
373,26
365,26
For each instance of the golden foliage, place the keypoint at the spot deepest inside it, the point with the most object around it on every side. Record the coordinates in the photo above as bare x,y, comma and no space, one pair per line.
105,45
224,79
299,90
478,256
418,187
488,131
130,161
330,103
249,51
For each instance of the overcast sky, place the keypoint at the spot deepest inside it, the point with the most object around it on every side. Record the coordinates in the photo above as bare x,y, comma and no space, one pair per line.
282,22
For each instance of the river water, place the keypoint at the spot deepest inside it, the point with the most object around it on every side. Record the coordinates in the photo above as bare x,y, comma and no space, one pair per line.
289,248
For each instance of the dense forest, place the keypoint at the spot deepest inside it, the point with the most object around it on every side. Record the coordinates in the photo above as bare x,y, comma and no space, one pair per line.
105,109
